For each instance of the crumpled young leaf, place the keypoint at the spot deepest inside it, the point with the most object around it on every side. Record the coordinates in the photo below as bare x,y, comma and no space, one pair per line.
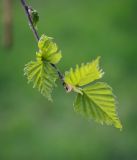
98,102
48,50
84,74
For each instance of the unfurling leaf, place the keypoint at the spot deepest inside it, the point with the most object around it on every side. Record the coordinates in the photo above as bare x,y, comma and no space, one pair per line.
42,75
98,102
34,16
48,50
84,74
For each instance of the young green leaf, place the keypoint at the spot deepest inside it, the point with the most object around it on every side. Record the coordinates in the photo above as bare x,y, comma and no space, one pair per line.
84,74
42,75
98,102
48,50
34,16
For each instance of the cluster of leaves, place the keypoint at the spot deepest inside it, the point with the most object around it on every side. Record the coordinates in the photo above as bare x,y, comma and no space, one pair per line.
41,72
94,100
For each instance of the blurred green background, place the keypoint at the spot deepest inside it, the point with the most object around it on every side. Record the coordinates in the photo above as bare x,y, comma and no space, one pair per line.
33,128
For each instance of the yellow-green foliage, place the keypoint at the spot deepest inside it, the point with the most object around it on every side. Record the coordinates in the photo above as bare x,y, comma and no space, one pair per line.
95,100
84,74
42,75
41,72
48,50
98,102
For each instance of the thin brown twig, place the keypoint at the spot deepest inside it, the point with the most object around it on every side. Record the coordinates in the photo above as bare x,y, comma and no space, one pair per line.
26,8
